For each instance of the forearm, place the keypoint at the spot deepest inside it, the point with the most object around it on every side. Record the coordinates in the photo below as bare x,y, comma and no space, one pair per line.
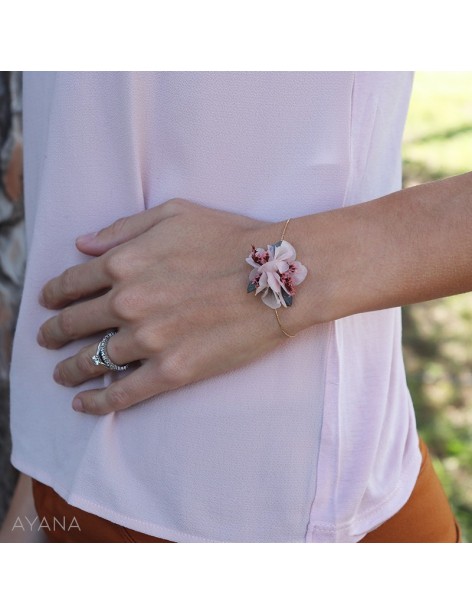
16,527
410,246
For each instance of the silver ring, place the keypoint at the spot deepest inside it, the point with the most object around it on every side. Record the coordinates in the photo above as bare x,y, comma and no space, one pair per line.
101,358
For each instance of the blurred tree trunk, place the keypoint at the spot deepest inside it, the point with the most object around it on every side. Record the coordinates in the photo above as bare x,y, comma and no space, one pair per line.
12,258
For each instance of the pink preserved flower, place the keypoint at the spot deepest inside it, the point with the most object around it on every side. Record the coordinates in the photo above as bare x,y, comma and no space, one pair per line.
275,273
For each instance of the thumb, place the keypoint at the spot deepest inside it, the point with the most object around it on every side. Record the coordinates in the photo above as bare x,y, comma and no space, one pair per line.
126,228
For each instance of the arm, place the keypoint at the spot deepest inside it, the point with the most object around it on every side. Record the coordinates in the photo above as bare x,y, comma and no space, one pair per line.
410,246
21,507
175,277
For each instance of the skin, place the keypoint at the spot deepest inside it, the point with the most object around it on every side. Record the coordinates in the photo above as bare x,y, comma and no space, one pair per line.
172,281
21,507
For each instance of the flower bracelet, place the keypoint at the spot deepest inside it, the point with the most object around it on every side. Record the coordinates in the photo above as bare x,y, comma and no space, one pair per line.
275,273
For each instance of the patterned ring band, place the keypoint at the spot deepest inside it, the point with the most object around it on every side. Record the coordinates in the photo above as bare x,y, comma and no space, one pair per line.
101,358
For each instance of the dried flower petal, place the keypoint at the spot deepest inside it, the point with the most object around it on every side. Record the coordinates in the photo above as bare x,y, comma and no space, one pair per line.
275,273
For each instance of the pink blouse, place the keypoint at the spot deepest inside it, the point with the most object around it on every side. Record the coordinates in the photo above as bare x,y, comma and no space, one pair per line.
314,442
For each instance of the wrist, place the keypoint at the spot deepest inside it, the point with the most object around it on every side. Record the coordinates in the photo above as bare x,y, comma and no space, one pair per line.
309,295
311,304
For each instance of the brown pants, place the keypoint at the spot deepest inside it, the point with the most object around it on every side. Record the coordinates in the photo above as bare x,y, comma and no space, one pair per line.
426,517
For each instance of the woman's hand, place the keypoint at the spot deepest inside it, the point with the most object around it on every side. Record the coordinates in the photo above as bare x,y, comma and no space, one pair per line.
172,280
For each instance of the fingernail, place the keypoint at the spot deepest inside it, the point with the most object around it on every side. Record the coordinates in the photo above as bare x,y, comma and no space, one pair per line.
40,339
87,238
77,405
57,376
41,300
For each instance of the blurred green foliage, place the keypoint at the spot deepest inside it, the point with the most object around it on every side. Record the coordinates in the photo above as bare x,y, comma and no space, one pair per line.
437,334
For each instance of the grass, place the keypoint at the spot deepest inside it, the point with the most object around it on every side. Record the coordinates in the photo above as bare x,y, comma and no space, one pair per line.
436,339
438,135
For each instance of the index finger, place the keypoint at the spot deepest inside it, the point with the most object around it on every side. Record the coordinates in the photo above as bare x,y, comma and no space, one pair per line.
79,281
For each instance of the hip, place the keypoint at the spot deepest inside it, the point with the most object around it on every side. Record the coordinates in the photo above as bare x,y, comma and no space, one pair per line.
425,517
